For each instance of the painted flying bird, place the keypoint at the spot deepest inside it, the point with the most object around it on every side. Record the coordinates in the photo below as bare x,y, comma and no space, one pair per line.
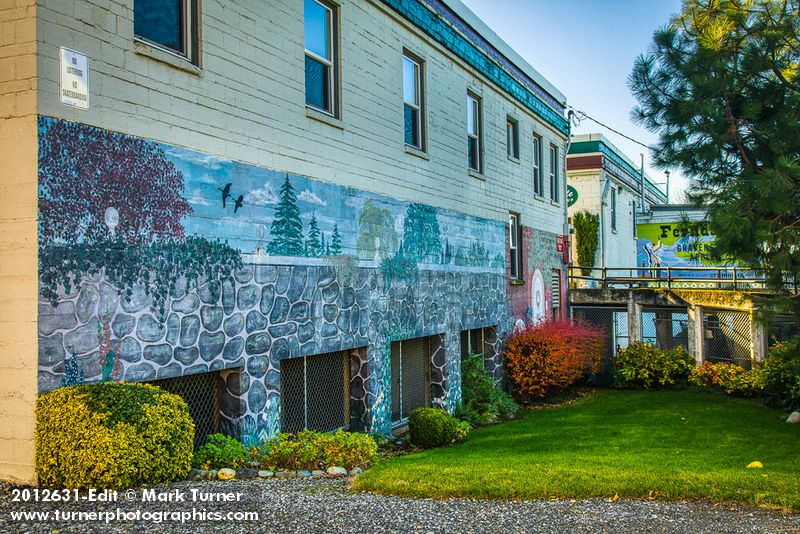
226,193
238,203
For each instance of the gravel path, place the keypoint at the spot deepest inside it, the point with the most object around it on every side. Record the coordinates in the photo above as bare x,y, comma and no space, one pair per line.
326,505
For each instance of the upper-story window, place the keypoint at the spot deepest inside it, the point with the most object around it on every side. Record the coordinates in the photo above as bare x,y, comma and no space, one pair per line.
167,24
474,148
412,101
538,179
554,185
321,71
512,138
613,209
515,255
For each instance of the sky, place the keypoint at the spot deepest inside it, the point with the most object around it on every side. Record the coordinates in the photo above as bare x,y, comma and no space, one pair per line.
586,49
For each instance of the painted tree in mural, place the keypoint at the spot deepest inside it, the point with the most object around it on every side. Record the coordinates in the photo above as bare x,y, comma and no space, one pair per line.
287,228
314,247
421,239
336,242
375,229
83,171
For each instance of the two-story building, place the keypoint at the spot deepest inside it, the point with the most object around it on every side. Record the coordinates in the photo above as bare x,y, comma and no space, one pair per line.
296,214
604,182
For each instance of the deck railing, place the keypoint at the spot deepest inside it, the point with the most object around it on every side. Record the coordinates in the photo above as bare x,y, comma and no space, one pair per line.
729,278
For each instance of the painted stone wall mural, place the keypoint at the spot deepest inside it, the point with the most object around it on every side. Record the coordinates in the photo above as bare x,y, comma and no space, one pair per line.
158,262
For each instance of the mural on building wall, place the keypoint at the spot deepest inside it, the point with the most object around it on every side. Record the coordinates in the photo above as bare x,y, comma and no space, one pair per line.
673,245
157,261
532,301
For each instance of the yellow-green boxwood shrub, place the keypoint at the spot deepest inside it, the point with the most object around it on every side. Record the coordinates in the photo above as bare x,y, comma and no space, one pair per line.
112,435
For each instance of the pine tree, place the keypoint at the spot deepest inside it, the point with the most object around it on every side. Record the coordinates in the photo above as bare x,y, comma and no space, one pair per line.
421,233
323,248
287,228
314,247
721,87
336,241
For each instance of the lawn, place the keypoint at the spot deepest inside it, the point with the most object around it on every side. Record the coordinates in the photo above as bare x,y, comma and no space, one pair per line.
666,445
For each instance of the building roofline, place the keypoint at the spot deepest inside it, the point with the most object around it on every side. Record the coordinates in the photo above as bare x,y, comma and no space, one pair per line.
468,16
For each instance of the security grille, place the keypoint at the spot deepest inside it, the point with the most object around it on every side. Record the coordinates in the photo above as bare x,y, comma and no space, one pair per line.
665,328
201,393
555,283
614,322
782,329
477,341
411,375
315,392
727,337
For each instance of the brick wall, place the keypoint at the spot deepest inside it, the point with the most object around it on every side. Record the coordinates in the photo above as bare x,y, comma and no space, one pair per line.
18,253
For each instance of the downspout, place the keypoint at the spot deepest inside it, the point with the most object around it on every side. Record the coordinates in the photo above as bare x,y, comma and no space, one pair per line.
603,204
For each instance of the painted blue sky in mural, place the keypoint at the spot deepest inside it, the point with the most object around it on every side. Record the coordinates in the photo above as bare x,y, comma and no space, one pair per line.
248,228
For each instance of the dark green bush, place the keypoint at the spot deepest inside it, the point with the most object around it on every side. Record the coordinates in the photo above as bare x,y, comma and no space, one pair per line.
220,451
432,427
112,435
317,450
782,374
482,402
642,366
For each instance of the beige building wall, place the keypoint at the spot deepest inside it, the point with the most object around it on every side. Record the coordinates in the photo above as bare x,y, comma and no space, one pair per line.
18,239
246,102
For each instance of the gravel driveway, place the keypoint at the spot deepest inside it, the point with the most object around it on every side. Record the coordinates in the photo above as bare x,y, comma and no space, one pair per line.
326,505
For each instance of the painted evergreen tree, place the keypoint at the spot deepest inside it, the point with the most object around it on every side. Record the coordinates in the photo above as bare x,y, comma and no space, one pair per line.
287,228
73,376
336,241
323,247
314,248
421,234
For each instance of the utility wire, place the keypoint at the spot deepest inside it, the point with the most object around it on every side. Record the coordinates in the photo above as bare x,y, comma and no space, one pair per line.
578,116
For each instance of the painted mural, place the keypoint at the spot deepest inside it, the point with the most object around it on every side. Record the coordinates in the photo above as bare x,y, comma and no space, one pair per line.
157,261
673,245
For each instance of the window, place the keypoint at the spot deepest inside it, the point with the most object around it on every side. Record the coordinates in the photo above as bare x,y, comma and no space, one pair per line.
315,392
514,233
412,101
613,209
474,147
554,185
320,33
538,180
512,138
168,24
411,376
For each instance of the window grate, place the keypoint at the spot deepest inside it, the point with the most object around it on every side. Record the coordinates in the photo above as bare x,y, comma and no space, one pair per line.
201,393
727,337
315,392
411,376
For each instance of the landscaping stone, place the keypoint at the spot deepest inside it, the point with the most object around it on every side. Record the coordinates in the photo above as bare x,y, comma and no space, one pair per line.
226,473
285,474
336,471
246,472
317,473
794,418
265,473
304,473
356,471
194,474
212,475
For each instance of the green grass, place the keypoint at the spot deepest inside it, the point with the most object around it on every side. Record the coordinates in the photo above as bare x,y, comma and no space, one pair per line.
667,445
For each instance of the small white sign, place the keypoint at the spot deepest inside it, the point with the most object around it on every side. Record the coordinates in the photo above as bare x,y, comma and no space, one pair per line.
74,79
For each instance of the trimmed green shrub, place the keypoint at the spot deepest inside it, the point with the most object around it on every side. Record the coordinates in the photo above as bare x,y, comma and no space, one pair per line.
587,238
731,378
482,402
112,435
642,366
220,451
432,427
317,450
782,374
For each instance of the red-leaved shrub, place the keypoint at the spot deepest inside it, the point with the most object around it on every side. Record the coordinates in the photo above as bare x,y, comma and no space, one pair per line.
552,355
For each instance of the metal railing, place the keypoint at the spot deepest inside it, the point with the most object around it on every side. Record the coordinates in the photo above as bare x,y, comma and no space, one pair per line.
736,278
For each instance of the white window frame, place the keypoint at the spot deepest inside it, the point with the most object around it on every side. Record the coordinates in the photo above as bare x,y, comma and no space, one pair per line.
512,138
538,181
515,255
419,107
190,22
477,134
554,185
328,63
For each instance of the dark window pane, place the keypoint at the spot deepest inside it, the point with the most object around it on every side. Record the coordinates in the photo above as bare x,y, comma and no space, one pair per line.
317,81
411,125
473,153
160,21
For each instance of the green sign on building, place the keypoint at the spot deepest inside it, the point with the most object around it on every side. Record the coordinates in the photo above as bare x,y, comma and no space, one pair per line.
572,195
